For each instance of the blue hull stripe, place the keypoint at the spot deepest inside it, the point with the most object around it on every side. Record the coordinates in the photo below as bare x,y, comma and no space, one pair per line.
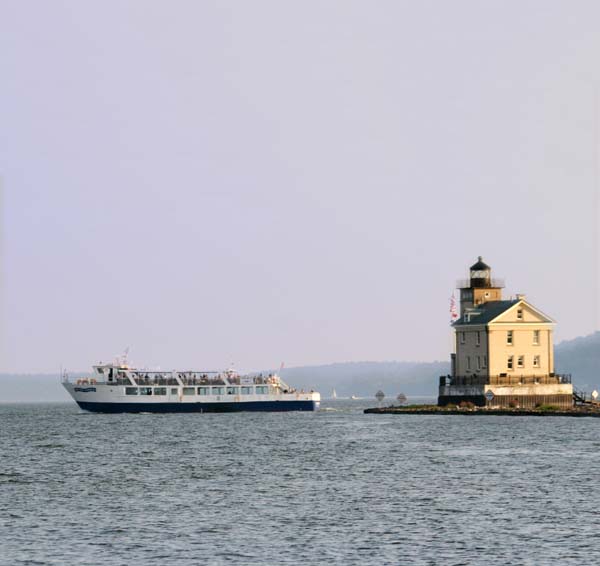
267,406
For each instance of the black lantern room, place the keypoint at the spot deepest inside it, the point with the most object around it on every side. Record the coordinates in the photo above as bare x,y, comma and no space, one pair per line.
480,274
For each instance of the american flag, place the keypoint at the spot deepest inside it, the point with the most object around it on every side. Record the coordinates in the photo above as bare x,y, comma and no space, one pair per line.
453,309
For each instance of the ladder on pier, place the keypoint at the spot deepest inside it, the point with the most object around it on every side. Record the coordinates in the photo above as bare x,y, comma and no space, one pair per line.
582,398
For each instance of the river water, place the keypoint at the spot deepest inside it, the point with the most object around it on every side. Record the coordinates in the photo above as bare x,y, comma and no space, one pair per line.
333,487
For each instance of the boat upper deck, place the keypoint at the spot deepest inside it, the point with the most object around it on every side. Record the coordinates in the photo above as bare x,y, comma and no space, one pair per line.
110,374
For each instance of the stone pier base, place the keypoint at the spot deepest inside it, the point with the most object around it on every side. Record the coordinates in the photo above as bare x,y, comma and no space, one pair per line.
522,396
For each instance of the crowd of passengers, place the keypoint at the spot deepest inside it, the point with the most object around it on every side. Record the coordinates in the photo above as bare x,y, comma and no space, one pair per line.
190,379
259,379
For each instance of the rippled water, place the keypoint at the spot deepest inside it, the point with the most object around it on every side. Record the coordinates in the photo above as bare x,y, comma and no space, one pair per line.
334,487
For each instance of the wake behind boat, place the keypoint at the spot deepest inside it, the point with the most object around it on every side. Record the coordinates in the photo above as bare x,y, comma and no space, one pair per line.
118,388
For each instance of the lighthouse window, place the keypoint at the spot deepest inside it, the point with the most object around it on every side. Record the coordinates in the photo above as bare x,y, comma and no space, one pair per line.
509,337
536,337
189,390
509,362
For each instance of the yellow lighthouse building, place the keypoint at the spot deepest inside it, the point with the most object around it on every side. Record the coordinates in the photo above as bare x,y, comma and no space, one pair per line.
504,350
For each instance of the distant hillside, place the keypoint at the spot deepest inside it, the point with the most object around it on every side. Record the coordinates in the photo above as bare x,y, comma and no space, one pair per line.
351,378
31,388
581,358
366,378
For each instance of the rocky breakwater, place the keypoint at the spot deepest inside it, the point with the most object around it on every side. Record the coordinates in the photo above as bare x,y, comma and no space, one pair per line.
468,410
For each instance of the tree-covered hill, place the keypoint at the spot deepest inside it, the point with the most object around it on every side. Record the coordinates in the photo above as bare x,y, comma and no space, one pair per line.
579,357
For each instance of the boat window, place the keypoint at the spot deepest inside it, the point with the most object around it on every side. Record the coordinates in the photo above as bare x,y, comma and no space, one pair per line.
218,391
189,390
160,391
100,370
246,390
131,391
145,390
262,389
232,391
174,391
203,390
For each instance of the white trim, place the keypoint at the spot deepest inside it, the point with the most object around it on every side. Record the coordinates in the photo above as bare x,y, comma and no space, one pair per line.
523,302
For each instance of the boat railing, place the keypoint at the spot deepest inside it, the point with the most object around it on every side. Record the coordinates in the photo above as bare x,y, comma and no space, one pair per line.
142,380
202,381
270,379
153,378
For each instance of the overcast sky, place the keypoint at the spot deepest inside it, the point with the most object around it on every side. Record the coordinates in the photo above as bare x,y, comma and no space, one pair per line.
266,181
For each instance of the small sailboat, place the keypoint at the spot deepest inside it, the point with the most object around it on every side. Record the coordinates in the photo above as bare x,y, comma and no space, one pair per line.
333,394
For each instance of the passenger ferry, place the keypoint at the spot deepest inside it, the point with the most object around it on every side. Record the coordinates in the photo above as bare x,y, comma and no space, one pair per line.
118,388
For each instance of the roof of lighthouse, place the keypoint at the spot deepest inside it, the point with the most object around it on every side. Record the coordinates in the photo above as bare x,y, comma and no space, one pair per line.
480,265
486,313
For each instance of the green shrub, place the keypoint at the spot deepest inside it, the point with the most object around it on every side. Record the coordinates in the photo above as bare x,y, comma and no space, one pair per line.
547,408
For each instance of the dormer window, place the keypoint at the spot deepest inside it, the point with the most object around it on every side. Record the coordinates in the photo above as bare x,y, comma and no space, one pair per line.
519,314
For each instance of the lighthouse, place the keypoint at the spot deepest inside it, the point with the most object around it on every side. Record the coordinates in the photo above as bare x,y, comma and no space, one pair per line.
504,350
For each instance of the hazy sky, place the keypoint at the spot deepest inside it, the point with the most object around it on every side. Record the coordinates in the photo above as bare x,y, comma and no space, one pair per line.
271,181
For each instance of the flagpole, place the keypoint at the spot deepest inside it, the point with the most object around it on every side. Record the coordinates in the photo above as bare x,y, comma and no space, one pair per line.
453,318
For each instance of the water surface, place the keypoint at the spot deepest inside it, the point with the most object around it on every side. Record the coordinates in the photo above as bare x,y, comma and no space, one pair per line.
334,487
